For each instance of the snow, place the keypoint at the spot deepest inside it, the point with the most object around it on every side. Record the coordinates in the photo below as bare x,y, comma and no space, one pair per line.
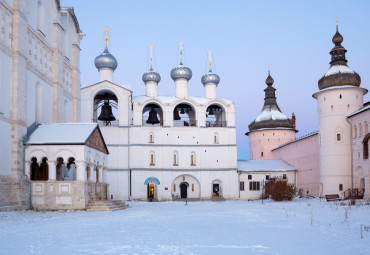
62,133
338,69
304,226
271,113
262,165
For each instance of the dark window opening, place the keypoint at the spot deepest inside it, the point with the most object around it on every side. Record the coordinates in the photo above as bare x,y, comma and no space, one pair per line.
254,185
249,177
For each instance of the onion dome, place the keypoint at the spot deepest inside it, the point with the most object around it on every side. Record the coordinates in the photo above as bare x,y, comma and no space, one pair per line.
151,75
210,77
181,71
339,74
106,60
271,116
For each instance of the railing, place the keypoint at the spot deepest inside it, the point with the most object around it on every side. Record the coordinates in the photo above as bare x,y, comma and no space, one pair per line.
113,123
216,123
150,125
184,123
354,194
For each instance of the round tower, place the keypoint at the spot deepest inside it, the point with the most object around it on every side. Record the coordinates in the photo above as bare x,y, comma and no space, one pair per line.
210,80
151,78
339,96
271,128
181,75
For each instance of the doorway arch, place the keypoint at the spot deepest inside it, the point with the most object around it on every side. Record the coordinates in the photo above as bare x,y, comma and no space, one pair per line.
184,190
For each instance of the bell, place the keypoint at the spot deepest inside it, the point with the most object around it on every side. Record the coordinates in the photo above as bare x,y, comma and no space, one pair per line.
106,113
182,111
210,111
153,118
176,115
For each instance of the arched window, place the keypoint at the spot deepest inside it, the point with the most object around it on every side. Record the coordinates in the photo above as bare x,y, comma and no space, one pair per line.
71,170
354,131
152,159
365,143
184,116
151,137
340,187
366,128
192,159
152,115
175,159
40,16
359,130
38,103
215,138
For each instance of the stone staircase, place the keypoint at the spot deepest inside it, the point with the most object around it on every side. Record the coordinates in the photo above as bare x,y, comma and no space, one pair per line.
106,205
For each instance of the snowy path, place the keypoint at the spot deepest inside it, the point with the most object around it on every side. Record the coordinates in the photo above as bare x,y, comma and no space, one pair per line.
232,227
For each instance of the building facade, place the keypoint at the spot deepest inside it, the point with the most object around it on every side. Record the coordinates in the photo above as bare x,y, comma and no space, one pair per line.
40,82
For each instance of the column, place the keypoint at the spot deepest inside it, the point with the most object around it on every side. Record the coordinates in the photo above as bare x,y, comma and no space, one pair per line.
100,175
80,172
28,169
91,172
105,174
52,170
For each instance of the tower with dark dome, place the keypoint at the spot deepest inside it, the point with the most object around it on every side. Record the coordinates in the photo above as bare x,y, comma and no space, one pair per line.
339,95
271,128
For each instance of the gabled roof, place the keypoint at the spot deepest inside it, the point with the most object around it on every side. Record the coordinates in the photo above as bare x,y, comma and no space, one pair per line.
264,165
63,134
122,87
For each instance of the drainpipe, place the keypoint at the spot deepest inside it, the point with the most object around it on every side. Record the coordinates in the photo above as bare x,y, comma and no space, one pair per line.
350,138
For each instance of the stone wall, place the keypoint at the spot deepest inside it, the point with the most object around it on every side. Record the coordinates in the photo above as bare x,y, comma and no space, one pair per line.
14,194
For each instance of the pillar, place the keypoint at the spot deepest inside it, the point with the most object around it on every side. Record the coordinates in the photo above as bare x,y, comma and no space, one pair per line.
52,171
80,172
28,169
100,175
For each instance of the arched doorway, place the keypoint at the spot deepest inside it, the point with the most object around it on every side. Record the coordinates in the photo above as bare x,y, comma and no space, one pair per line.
184,189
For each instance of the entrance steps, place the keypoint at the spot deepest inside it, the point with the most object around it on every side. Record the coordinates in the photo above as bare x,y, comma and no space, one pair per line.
217,199
106,205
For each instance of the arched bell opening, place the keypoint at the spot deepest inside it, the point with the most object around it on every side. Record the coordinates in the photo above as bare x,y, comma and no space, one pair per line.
184,116
152,115
106,108
215,116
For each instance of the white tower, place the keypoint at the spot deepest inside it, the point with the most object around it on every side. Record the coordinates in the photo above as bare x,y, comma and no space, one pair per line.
339,96
151,78
181,75
271,128
210,80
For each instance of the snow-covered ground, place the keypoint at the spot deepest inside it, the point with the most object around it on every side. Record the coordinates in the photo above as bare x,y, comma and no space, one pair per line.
304,226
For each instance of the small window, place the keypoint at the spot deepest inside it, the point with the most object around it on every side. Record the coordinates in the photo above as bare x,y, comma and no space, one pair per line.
249,177
284,176
215,138
340,96
151,140
254,185
262,154
192,187
175,159
174,188
340,187
241,186
332,108
267,177
192,159
152,159
338,137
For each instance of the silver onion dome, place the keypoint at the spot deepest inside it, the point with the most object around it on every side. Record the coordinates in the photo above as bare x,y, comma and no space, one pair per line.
106,60
181,71
151,76
210,77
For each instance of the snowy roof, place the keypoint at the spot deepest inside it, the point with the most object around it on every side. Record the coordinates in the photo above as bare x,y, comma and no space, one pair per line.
365,108
171,99
335,69
62,133
264,165
271,113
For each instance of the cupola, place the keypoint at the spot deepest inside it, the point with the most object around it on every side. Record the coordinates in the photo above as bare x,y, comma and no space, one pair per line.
151,78
181,75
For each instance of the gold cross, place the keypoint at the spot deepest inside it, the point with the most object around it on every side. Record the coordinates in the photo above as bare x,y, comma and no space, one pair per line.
210,58
269,66
106,29
181,45
151,55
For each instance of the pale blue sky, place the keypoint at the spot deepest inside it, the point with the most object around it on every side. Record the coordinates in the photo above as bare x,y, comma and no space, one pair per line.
293,36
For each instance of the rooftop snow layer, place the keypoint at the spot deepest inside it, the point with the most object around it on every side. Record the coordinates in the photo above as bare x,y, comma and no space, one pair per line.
264,165
338,69
62,133
271,114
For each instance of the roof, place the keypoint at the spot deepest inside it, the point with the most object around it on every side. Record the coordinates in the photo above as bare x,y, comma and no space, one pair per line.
62,133
363,109
126,87
264,165
171,99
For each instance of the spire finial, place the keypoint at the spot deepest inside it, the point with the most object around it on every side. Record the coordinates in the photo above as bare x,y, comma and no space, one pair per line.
151,55
337,23
210,58
106,30
181,45
269,67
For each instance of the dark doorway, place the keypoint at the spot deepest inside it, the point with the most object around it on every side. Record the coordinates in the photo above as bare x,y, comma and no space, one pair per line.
216,189
150,192
184,189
